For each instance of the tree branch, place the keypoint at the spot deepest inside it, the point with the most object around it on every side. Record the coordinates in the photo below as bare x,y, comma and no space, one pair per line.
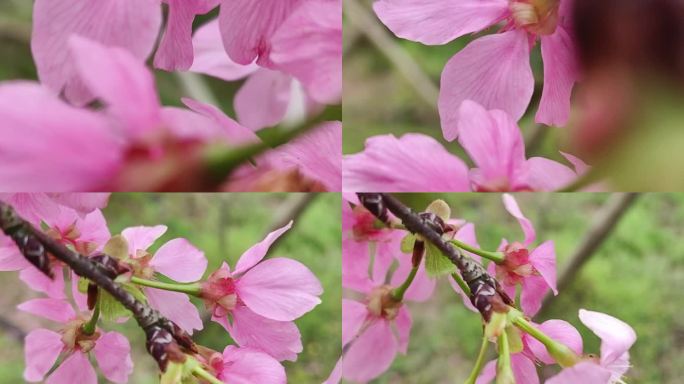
164,338
486,293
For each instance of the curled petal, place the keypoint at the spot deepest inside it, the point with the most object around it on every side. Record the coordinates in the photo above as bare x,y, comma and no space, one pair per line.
256,252
617,337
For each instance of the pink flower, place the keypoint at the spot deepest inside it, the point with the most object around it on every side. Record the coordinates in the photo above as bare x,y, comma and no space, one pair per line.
246,365
493,70
617,337
43,347
177,259
535,271
417,162
258,301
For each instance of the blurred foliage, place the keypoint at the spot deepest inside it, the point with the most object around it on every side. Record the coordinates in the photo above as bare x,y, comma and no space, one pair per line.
637,275
224,226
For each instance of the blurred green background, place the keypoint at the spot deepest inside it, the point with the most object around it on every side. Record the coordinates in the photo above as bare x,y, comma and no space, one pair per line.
636,275
223,226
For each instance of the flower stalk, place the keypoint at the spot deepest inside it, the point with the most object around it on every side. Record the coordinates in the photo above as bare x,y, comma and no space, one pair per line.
190,289
479,363
497,257
563,355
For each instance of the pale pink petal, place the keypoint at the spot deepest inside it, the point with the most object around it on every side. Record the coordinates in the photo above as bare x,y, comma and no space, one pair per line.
234,132
534,289
560,331
41,349
547,175
256,252
75,369
247,26
176,307
279,289
308,45
246,366
436,22
92,227
130,24
526,225
524,370
184,124
280,339
492,140
113,354
543,259
83,203
263,99
586,372
53,309
617,337
493,71
580,166
211,58
403,326
10,257
354,314
180,260
355,262
422,287
33,207
371,353
128,90
488,373
40,282
618,367
317,155
560,74
141,238
411,163
336,374
61,137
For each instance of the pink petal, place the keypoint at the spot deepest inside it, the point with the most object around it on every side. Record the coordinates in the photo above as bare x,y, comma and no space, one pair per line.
141,238
130,24
245,365
61,137
41,349
40,282
617,337
75,369
371,354
526,225
211,58
92,227
355,262
263,99
83,203
33,207
434,22
403,326
547,175
560,331
524,369
188,125
493,71
256,252
317,155
585,372
247,26
580,166
52,309
488,373
180,260
279,289
534,289
176,307
354,314
543,259
413,162
234,132
128,90
492,140
280,339
113,354
560,74
308,45
10,257
466,234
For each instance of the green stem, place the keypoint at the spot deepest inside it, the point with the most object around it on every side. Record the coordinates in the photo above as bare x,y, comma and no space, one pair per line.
461,283
200,372
398,293
504,372
479,363
560,352
89,327
497,257
190,289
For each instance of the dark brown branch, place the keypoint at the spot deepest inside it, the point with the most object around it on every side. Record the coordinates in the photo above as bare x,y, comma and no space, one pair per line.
486,293
163,336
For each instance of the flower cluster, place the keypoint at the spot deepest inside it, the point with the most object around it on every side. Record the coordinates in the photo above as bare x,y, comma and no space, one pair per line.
97,100
385,267
257,302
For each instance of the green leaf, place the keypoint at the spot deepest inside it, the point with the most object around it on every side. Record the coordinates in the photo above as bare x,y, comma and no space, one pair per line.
407,243
111,309
436,263
440,208
83,285
117,247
